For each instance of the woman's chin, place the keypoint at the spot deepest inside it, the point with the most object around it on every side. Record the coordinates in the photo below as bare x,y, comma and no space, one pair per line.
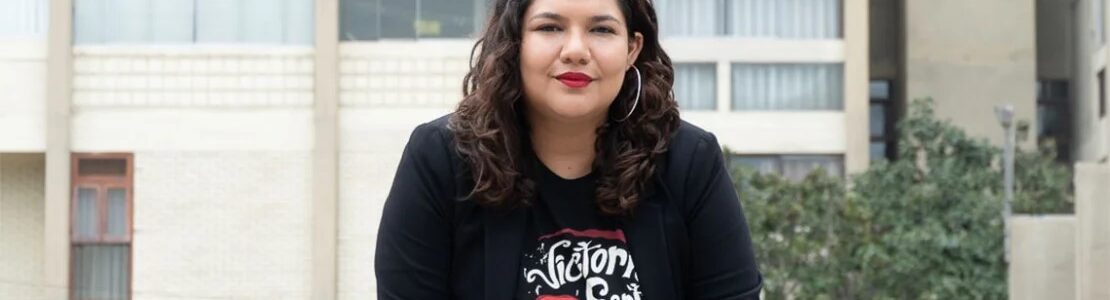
576,113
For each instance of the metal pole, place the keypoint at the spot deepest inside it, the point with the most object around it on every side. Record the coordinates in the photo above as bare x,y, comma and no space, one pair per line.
1006,115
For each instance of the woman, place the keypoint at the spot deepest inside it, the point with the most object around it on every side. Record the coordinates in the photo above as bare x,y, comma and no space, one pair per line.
565,173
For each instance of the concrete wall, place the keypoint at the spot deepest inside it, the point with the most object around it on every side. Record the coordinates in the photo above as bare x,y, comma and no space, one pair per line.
1092,208
222,143
21,226
23,101
1042,261
1091,130
970,56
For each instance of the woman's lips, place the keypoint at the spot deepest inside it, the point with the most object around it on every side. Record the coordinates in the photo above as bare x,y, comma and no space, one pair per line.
574,79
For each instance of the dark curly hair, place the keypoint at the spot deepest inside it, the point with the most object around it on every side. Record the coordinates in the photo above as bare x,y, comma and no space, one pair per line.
491,132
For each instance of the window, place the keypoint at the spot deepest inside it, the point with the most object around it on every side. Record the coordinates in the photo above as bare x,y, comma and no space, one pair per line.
695,86
362,20
789,19
101,226
1054,116
193,21
792,167
882,120
1102,93
23,19
787,86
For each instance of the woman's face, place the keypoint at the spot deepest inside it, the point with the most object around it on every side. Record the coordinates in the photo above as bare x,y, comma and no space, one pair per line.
573,58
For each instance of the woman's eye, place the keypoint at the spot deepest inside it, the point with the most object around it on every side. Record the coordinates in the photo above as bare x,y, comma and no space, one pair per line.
604,30
548,28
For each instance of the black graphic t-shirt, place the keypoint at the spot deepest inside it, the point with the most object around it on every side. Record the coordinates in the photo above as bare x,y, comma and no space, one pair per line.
573,251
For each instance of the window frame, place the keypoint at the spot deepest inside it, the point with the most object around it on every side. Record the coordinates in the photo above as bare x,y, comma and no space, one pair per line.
103,183
1062,105
480,12
890,117
780,161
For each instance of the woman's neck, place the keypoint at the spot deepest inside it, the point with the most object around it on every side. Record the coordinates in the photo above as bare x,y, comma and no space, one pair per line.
565,147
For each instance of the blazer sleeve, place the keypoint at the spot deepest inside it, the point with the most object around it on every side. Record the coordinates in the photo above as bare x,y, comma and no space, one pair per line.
723,265
413,254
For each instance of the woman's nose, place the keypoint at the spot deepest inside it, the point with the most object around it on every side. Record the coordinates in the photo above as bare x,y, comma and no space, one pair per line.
575,49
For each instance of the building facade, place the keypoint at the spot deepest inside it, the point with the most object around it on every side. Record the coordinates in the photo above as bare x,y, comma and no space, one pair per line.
243,149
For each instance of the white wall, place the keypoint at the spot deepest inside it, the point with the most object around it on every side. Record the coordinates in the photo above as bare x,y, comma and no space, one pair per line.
222,224
21,225
222,142
23,100
386,90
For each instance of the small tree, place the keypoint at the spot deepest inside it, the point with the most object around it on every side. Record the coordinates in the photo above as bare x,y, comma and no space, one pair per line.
926,226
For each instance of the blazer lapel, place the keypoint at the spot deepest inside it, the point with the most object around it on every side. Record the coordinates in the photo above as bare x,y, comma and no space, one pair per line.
504,237
649,250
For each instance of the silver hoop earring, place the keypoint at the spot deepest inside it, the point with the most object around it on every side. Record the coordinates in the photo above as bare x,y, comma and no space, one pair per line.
639,83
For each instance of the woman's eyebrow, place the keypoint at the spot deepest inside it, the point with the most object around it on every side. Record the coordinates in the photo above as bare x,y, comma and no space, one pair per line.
558,17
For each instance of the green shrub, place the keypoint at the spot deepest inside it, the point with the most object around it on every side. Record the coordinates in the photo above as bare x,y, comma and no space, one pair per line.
925,226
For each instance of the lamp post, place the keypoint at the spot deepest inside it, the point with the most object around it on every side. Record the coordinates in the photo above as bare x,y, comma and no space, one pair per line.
1005,114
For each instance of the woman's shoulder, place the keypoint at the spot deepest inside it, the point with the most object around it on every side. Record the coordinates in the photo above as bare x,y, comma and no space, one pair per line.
431,143
690,140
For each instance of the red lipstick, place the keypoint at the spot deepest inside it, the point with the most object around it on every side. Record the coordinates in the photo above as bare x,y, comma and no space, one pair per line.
574,79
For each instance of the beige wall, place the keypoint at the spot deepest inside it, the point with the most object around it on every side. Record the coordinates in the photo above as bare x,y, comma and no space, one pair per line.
23,100
1092,185
21,226
1042,257
967,71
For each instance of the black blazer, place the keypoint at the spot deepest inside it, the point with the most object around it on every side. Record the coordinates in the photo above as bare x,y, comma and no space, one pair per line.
688,236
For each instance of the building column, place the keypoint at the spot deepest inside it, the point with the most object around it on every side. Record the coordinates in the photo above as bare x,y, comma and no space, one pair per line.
856,85
325,154
59,92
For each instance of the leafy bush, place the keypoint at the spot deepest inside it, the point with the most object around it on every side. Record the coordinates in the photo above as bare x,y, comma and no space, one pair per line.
926,226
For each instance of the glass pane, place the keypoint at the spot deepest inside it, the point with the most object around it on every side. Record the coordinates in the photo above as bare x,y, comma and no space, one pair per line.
792,19
763,164
263,21
690,17
358,20
86,225
89,21
102,167
398,19
878,151
695,86
128,21
880,89
173,21
23,19
299,25
100,271
878,120
219,21
787,86
117,212
797,167
446,18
